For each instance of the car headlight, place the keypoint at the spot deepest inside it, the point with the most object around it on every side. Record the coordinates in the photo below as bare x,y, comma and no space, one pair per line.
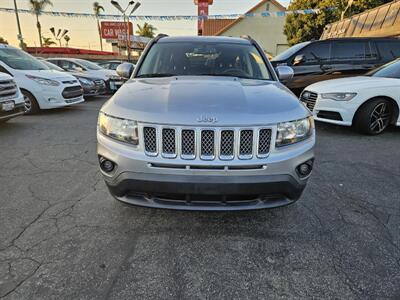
120,129
295,131
85,81
43,81
339,96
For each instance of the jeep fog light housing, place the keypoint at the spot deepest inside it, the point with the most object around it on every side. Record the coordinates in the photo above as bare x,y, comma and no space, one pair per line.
294,132
119,129
304,169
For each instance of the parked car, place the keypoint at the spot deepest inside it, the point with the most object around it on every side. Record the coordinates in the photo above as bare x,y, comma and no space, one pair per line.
205,124
110,65
88,68
42,88
11,99
91,86
371,102
335,58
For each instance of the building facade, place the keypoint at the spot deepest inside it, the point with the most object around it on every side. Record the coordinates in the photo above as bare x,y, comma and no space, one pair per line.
267,31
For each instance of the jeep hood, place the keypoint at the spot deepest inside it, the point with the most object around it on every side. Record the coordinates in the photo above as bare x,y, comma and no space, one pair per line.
183,100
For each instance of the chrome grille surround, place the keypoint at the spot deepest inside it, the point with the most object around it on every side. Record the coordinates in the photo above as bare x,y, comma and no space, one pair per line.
310,100
150,141
206,144
168,143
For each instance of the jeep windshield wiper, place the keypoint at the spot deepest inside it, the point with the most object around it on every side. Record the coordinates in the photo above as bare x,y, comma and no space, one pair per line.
152,75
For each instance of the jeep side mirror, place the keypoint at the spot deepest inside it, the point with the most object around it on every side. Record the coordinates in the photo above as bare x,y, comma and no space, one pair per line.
299,59
125,70
284,73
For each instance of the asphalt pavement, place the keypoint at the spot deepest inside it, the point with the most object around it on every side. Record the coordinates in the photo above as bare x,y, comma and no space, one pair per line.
62,236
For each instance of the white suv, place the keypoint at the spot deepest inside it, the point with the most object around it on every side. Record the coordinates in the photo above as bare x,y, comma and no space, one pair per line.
11,99
42,88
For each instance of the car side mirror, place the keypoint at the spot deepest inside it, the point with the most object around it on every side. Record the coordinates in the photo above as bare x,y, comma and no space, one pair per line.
299,59
125,70
284,73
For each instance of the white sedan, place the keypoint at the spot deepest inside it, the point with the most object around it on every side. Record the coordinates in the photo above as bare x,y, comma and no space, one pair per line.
370,103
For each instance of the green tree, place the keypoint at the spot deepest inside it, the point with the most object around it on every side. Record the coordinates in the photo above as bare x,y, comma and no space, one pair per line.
97,9
47,42
300,28
147,30
3,40
37,7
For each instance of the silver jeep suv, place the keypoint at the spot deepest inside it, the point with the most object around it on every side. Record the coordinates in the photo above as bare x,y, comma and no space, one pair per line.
204,124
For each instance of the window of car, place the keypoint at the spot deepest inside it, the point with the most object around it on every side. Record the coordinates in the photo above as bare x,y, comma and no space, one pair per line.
289,52
20,60
204,58
388,50
88,64
350,51
316,53
390,70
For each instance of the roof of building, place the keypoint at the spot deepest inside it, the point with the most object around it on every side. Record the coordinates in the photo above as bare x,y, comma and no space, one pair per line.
381,21
251,10
211,26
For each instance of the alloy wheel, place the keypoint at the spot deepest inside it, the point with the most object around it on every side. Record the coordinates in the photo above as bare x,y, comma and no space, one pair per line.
380,117
28,104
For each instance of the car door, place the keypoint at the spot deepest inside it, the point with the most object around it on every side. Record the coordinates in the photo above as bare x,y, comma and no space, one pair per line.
308,64
350,58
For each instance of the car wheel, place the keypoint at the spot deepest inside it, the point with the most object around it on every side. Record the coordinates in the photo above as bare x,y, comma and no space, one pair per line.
31,105
374,116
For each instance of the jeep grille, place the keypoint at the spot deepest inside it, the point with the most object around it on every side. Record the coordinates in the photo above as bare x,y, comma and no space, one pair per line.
207,144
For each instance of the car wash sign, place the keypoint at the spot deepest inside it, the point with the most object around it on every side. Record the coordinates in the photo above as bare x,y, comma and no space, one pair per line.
112,30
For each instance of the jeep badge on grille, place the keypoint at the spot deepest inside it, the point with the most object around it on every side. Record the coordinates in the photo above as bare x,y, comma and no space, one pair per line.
207,119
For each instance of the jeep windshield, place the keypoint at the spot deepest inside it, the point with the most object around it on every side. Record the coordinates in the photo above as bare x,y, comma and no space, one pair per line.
204,59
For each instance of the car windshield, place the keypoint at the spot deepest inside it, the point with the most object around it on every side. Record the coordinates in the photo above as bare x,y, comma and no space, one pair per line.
289,52
89,65
204,59
390,70
52,66
20,60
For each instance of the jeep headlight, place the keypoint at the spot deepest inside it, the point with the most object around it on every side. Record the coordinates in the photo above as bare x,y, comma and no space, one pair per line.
294,131
339,96
120,129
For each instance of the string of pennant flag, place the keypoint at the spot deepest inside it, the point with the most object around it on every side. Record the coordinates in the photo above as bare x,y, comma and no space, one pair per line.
168,18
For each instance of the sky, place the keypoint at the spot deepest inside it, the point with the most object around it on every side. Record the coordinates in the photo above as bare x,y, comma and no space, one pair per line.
83,31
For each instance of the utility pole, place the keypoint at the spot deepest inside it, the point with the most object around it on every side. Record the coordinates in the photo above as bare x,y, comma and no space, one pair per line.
20,38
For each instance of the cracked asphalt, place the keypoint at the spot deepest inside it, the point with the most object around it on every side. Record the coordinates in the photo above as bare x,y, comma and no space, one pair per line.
62,236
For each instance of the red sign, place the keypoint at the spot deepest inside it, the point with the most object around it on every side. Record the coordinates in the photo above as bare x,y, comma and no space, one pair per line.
111,30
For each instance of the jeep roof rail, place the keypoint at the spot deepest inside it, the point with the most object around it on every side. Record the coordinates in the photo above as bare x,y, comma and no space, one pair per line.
160,36
246,37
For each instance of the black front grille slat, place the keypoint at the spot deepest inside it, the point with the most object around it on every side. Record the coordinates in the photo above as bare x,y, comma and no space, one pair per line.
264,141
150,139
246,143
207,144
310,100
7,88
227,143
188,143
168,141
72,92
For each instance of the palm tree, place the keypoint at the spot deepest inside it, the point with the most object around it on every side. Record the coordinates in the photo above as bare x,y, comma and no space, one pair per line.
47,42
67,39
3,40
147,30
37,7
97,8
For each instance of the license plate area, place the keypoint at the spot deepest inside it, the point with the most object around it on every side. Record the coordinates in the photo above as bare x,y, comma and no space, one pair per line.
7,106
